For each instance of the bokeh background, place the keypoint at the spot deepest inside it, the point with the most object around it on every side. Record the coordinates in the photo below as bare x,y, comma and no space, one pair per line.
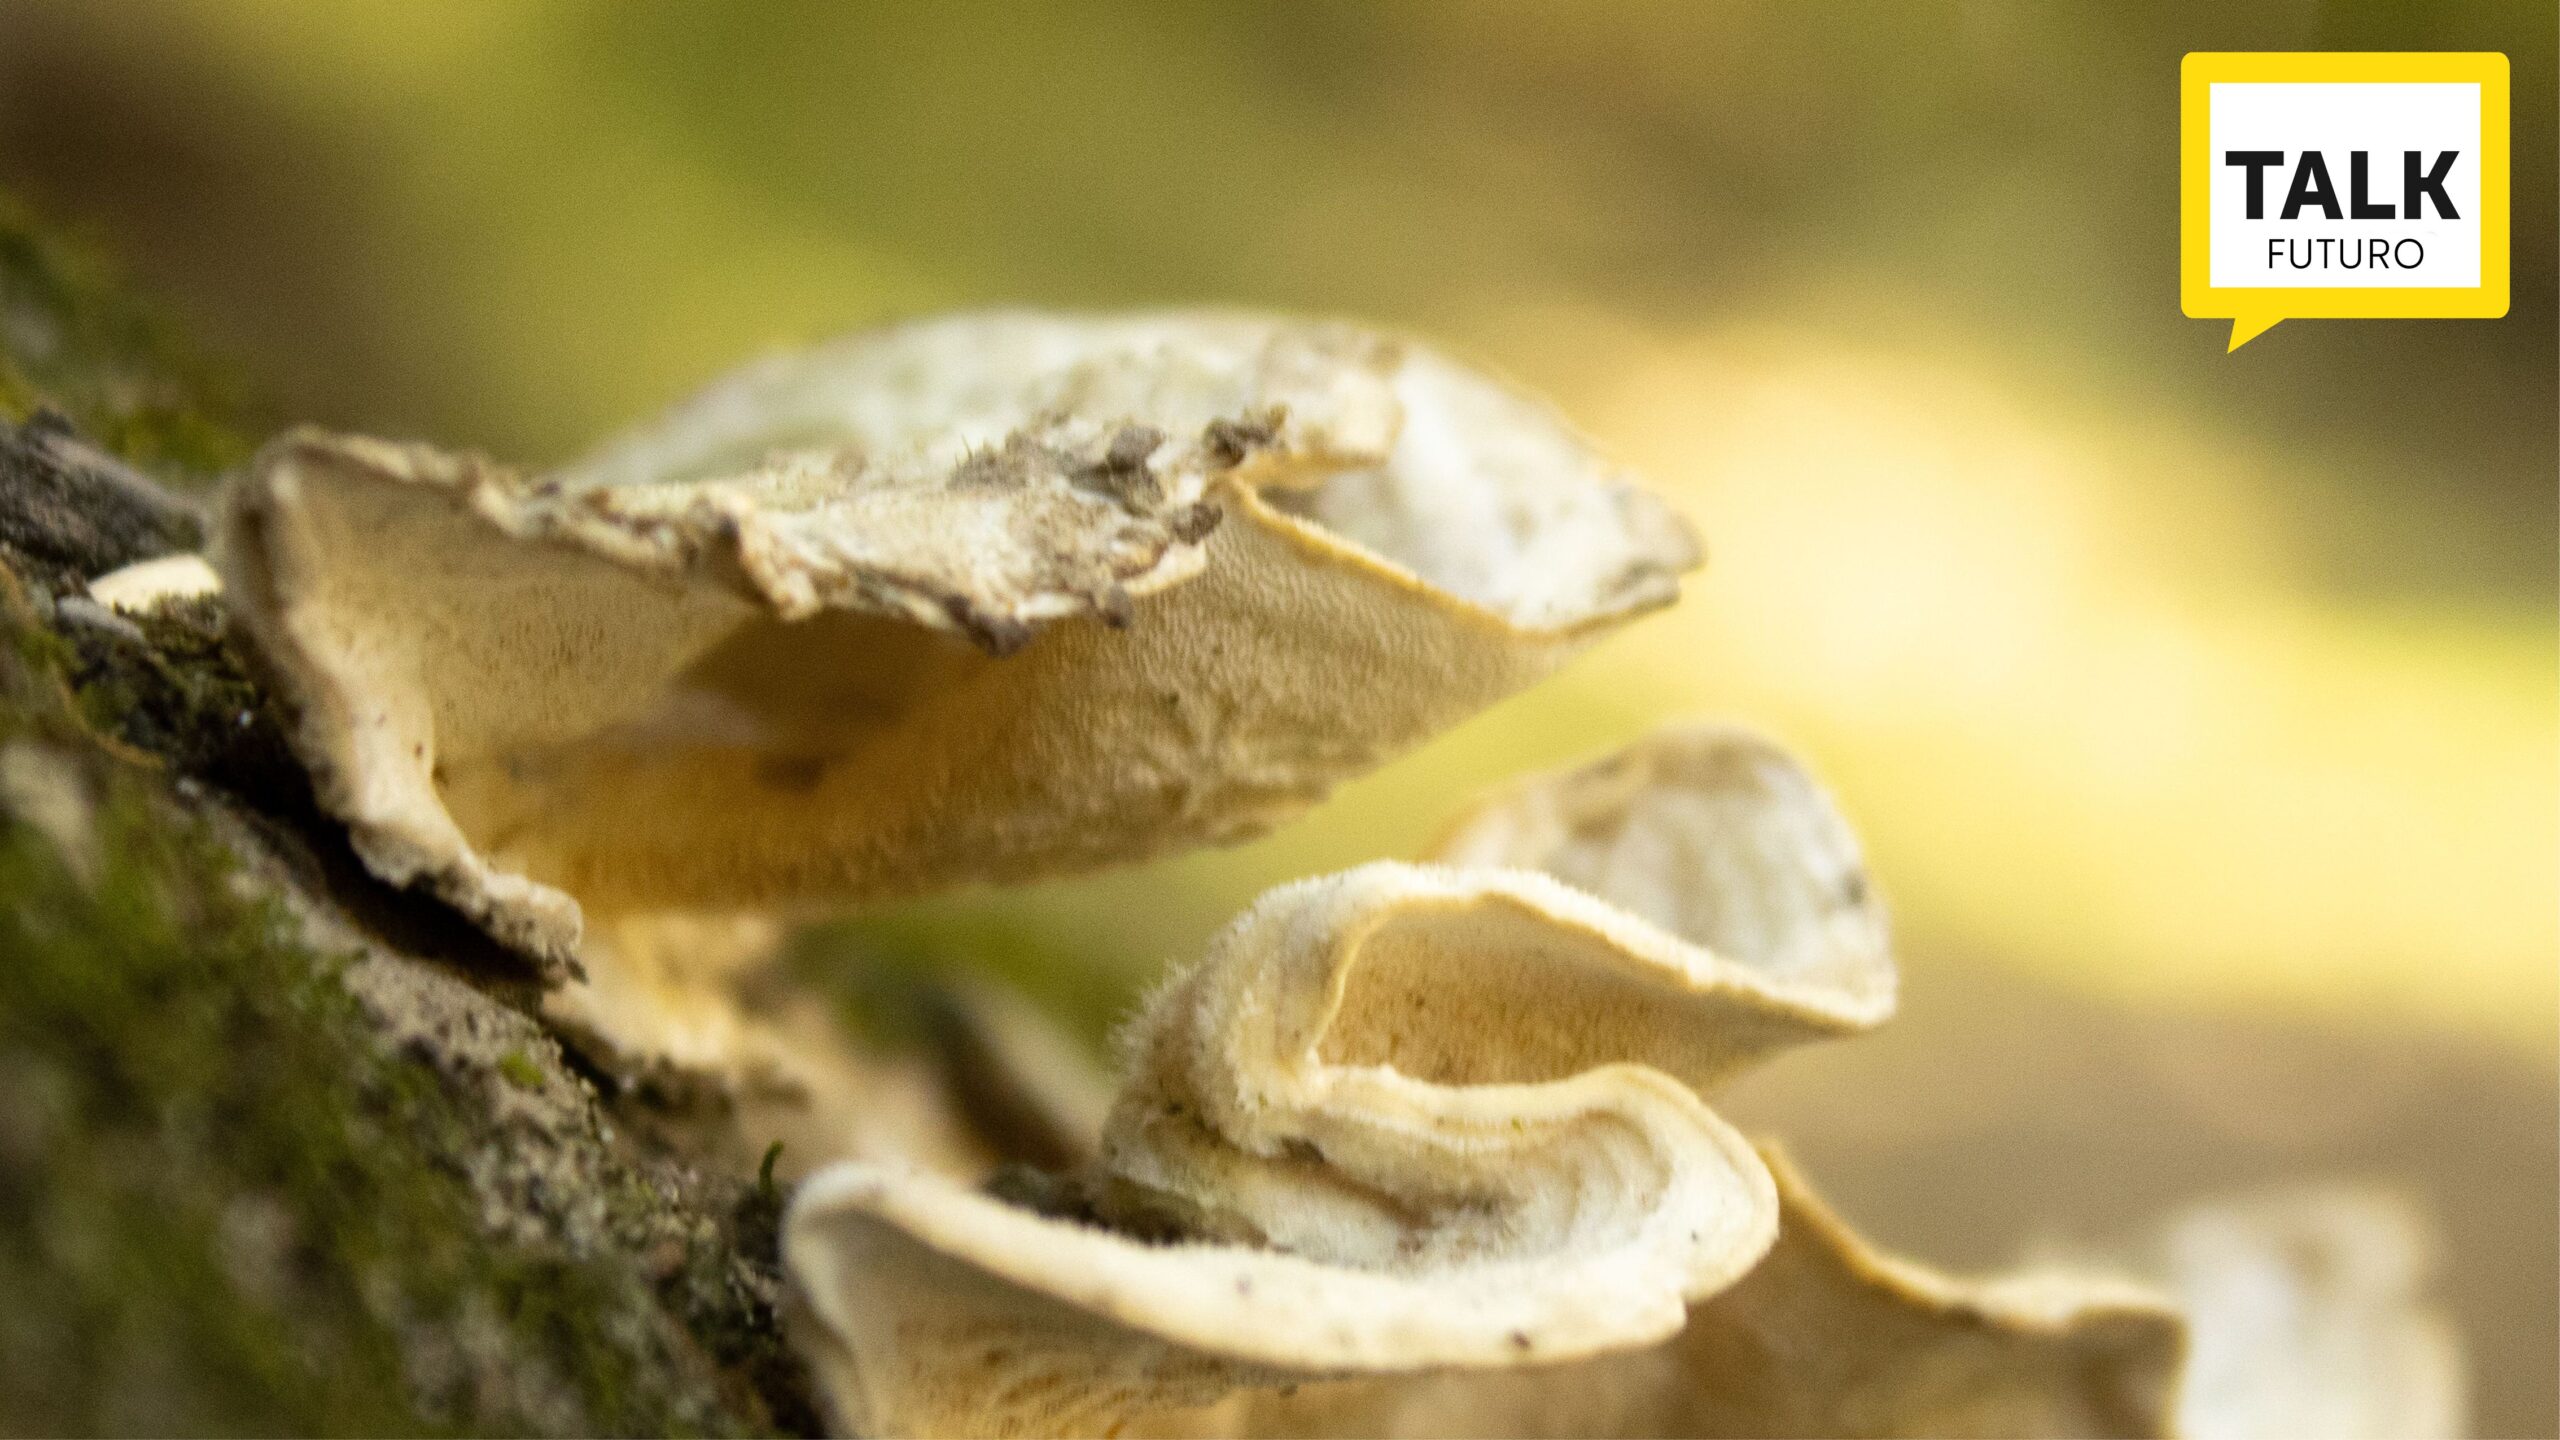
2200,710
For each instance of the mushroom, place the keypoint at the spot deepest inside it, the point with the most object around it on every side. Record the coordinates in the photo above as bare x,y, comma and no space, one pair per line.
1418,1150
1397,1120
1713,833
1414,1148
2311,1315
990,597
1827,1336
2301,1312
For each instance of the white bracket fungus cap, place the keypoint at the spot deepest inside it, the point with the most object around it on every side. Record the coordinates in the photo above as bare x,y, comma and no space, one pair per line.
1398,1120
988,597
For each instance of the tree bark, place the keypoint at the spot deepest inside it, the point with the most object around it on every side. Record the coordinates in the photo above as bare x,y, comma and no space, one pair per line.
283,1150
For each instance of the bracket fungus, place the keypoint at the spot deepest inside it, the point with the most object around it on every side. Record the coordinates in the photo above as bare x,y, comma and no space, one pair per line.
989,597
1413,1148
1422,1150
2311,1316
1399,1120
1712,833
1827,1336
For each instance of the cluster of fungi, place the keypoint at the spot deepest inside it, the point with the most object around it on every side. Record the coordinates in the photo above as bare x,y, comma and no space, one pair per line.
1419,1147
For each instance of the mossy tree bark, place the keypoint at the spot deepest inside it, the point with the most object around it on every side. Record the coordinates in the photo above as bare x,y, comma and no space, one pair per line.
281,1150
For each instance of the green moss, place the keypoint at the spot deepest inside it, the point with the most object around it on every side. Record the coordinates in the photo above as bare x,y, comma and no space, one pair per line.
234,1198
520,1070
224,1207
183,692
73,338
121,1063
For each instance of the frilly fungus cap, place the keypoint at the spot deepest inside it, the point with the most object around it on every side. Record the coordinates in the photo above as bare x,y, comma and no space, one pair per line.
1398,1120
982,598
1420,1150
1826,1337
1714,834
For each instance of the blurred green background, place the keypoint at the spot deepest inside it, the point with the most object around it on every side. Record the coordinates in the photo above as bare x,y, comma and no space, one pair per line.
2200,710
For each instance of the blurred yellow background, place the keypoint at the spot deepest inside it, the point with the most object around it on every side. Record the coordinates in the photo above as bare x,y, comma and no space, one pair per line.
2141,665
2160,681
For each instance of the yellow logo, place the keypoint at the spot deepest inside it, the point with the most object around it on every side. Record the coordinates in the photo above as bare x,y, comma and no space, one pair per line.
2342,186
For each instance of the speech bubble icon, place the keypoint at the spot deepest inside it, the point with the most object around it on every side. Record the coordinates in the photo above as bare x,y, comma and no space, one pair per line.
2342,187
2248,325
